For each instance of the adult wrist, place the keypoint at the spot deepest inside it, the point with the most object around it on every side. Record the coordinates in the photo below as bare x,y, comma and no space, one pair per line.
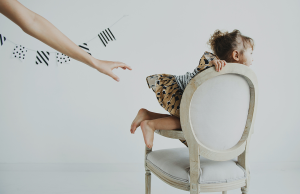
92,61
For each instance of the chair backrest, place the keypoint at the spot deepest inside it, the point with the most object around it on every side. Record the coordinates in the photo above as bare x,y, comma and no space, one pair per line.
218,109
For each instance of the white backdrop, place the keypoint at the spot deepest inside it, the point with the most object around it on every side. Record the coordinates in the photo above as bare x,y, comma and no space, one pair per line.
73,114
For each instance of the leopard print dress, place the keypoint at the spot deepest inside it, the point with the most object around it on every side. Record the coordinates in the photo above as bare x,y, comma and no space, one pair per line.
169,89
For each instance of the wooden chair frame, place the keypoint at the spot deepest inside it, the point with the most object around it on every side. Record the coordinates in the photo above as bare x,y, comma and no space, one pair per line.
196,148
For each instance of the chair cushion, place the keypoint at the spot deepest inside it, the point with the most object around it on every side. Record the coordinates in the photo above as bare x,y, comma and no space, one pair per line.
175,163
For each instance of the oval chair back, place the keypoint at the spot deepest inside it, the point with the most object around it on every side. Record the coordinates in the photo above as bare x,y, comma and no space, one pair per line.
218,110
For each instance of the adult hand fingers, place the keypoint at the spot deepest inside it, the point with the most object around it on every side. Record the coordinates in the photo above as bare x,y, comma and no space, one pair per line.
112,75
122,65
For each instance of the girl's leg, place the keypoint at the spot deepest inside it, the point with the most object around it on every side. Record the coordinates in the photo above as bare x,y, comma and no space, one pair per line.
149,126
142,115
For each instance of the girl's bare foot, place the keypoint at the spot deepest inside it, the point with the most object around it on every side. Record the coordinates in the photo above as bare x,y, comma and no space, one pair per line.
141,116
148,133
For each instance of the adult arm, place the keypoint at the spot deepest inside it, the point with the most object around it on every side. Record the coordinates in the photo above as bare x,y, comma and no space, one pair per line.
40,28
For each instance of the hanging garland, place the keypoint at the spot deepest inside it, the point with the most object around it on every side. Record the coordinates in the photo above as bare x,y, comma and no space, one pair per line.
43,57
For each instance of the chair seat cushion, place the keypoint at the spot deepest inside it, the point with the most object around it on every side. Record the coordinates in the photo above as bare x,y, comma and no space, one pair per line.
175,163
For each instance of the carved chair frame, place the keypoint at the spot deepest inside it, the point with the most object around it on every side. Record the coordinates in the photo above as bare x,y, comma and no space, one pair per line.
196,148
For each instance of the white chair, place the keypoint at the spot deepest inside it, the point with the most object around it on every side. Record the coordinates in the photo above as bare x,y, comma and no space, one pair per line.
217,115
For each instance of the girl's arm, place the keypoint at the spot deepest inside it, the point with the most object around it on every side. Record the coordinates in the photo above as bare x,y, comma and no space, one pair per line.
40,28
208,60
219,64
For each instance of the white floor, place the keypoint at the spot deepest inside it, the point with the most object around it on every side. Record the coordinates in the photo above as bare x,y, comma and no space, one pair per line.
92,179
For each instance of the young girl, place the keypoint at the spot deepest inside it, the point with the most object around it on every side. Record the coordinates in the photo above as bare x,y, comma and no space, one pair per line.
227,47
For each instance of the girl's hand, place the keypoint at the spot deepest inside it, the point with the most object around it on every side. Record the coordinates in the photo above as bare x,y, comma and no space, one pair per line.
106,67
219,64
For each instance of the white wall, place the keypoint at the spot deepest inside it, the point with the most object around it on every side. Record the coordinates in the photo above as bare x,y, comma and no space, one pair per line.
73,114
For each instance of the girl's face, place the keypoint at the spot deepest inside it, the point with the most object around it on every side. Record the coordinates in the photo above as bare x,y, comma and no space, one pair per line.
246,58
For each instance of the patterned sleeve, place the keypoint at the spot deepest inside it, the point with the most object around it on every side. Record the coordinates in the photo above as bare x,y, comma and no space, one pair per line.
205,61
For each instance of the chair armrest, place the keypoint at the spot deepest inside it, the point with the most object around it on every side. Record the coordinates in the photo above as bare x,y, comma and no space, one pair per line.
174,134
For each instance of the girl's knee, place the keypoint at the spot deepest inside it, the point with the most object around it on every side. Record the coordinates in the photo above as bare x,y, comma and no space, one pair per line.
143,110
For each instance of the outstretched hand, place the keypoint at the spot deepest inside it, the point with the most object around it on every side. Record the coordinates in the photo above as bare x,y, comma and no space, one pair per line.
106,67
219,64
40,28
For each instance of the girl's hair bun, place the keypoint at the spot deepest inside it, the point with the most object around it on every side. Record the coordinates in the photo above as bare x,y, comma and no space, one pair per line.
223,43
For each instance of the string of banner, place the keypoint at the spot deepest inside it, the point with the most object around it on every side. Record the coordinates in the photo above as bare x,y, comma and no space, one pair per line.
43,57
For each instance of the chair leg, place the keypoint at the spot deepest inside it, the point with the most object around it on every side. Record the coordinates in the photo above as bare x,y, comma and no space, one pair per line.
148,182
224,192
244,190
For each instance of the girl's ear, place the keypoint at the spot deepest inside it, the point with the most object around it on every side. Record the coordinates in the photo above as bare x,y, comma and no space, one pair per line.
235,55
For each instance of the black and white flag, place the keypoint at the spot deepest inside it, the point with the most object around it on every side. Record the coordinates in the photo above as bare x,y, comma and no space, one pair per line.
85,47
62,58
19,52
2,40
105,36
42,57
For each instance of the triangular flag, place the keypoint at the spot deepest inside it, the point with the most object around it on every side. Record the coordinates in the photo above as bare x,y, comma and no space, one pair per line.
19,52
62,58
85,47
42,57
105,36
2,40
